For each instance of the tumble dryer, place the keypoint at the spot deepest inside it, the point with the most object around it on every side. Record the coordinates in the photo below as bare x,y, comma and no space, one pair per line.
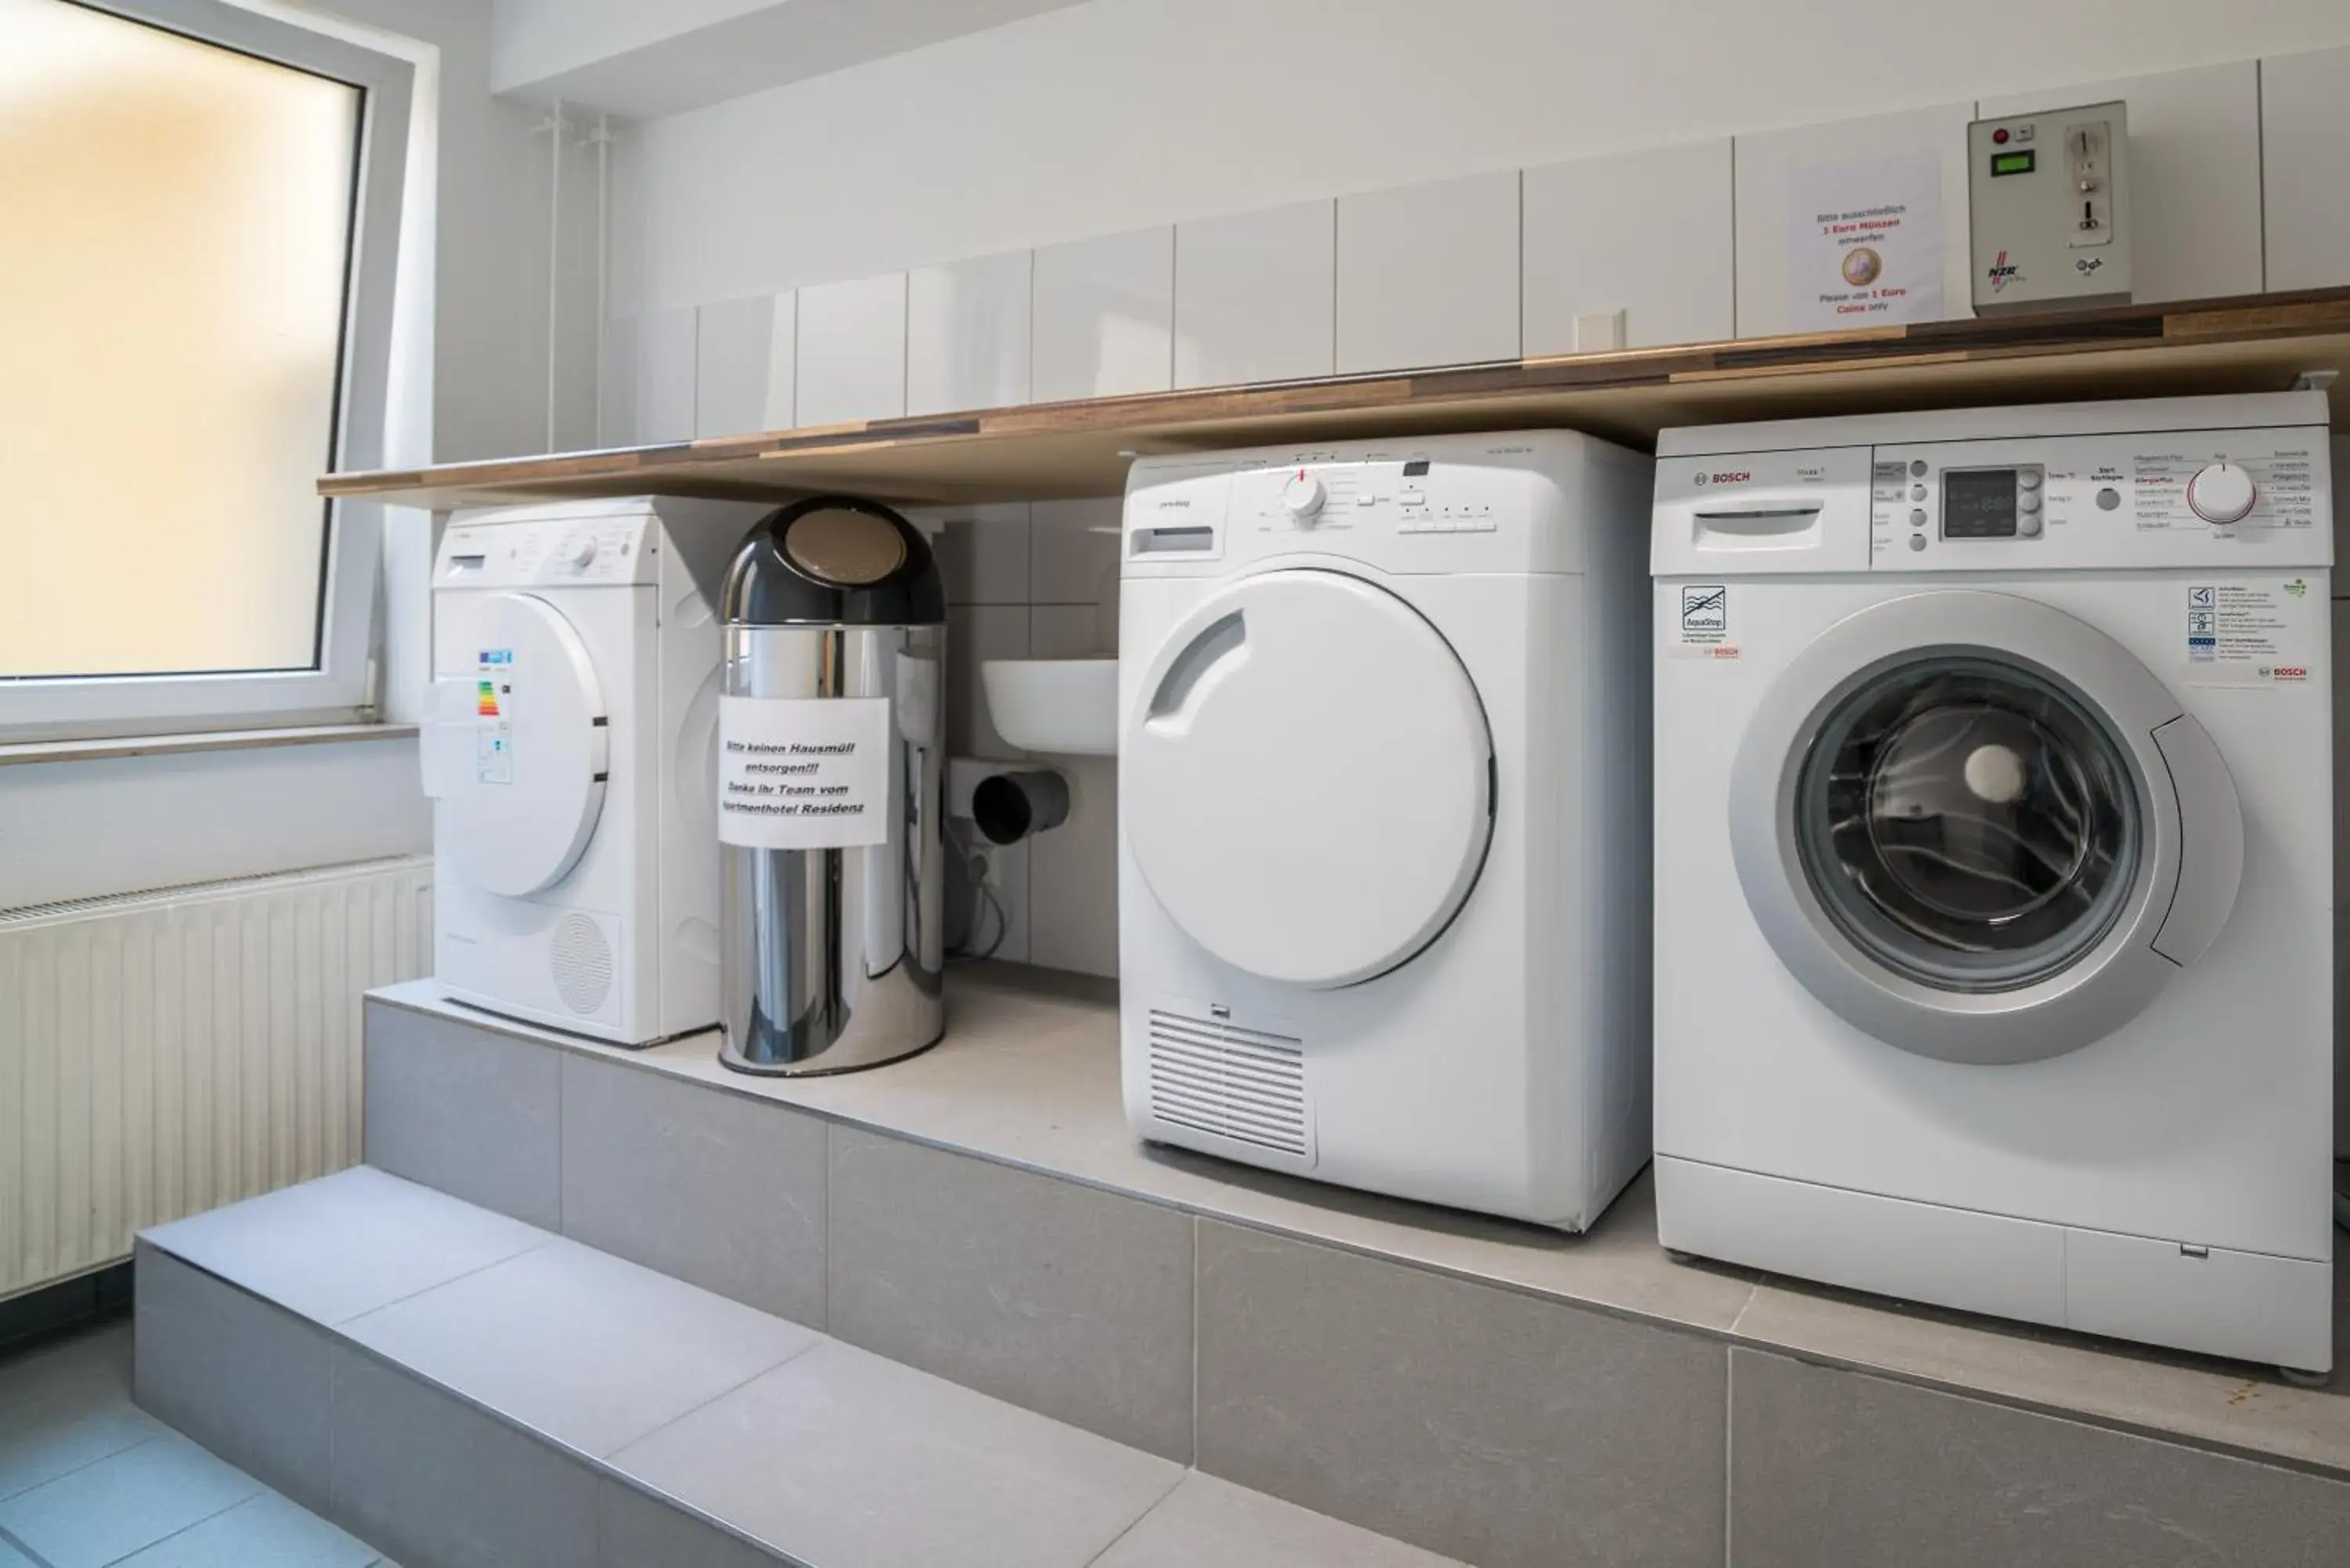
1994,901
569,751
1383,876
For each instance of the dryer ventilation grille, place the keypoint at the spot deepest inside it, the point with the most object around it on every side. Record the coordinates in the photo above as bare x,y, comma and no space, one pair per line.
1213,1077
582,960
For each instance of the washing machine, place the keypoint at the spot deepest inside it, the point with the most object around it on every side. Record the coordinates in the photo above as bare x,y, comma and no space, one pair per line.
569,750
1382,801
1993,850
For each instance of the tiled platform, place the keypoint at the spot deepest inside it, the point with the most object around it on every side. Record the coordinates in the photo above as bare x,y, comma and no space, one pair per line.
1497,1393
88,1481
469,1390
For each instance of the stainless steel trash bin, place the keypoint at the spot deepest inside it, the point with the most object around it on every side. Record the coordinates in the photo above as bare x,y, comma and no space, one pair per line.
832,741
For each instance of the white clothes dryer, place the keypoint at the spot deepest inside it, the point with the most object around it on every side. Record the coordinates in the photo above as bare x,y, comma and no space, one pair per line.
569,750
1383,880
1994,899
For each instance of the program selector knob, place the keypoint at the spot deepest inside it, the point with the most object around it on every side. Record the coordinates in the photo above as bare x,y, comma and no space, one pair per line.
582,552
2221,493
1302,495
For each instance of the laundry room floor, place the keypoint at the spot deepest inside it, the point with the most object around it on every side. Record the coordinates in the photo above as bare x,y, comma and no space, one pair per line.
89,1481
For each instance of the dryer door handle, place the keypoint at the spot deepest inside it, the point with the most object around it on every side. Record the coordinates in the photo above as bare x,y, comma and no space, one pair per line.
2210,838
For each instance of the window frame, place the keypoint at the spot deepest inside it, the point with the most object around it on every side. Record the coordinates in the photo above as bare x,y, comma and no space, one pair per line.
338,688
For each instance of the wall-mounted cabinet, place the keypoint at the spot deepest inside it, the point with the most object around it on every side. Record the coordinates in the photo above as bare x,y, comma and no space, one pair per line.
1770,166
968,333
1428,275
744,369
1645,233
2194,175
2305,171
1105,317
852,350
1255,297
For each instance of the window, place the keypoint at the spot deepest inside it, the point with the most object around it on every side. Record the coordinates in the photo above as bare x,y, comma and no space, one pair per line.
195,283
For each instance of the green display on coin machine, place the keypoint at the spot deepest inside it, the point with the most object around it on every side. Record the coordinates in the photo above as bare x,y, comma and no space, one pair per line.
2013,162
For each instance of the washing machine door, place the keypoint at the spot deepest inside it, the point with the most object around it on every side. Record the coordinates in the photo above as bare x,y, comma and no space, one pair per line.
1979,829
1306,778
517,746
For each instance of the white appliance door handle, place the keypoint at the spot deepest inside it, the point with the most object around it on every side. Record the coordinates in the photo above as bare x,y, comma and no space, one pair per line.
2211,840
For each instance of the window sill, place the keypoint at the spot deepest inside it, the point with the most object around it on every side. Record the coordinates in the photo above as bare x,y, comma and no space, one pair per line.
202,741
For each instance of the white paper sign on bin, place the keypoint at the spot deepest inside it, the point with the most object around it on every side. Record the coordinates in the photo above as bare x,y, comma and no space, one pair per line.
798,773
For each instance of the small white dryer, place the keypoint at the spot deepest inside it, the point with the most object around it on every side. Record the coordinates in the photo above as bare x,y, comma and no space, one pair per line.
1993,796
1382,790
569,752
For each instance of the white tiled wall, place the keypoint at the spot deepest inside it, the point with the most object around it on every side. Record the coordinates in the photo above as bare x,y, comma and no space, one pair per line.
1105,317
852,351
1255,297
967,334
2305,168
1647,234
2194,175
1428,275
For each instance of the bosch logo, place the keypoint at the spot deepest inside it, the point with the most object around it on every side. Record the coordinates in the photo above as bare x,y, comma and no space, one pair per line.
1741,477
2289,672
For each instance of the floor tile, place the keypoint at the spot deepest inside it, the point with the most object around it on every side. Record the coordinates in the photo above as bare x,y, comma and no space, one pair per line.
1063,1299
248,1379
633,1531
105,1511
849,1461
592,1351
346,1243
1836,1466
1207,1520
12,1558
265,1531
433,1481
67,1404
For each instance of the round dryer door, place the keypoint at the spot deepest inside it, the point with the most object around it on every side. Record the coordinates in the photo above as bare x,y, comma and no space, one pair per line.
520,777
1979,829
1306,779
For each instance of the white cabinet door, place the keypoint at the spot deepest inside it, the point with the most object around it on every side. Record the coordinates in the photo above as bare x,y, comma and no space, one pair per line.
2194,174
1768,163
1104,315
1648,234
2305,175
742,384
852,350
967,334
1428,275
653,365
1254,296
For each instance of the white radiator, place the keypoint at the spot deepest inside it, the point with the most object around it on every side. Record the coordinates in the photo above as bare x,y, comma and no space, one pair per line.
162,1053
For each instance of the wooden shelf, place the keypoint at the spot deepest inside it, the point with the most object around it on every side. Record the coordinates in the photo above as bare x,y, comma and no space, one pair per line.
2257,343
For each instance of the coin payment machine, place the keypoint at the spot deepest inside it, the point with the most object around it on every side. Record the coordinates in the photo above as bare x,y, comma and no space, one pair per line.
2049,202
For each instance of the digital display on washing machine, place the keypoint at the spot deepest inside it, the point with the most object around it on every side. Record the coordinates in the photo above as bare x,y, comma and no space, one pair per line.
1979,504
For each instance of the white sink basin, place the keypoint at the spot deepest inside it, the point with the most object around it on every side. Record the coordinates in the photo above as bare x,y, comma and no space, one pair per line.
1064,707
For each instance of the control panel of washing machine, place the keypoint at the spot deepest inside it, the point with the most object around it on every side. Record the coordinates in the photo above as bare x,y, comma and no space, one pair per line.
2094,500
598,547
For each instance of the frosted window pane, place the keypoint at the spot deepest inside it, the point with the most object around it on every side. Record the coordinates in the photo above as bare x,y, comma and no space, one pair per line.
175,222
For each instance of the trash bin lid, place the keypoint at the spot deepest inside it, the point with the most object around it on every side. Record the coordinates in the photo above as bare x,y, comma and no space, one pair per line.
833,560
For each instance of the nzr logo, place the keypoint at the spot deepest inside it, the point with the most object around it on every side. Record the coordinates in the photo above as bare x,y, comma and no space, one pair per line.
1738,477
2002,273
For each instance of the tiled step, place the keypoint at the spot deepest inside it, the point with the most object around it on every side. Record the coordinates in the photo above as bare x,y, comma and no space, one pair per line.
461,1389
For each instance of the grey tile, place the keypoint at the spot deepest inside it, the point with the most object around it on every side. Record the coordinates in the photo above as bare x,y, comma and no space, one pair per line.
66,1405
633,1531
430,1481
267,1532
1074,549
1065,1299
1486,1424
345,1244
1207,1520
12,1558
983,553
593,1351
105,1511
851,1462
975,634
250,1381
1836,1466
465,1108
721,1191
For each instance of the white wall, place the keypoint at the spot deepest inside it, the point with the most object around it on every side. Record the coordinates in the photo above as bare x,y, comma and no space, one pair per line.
1119,114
